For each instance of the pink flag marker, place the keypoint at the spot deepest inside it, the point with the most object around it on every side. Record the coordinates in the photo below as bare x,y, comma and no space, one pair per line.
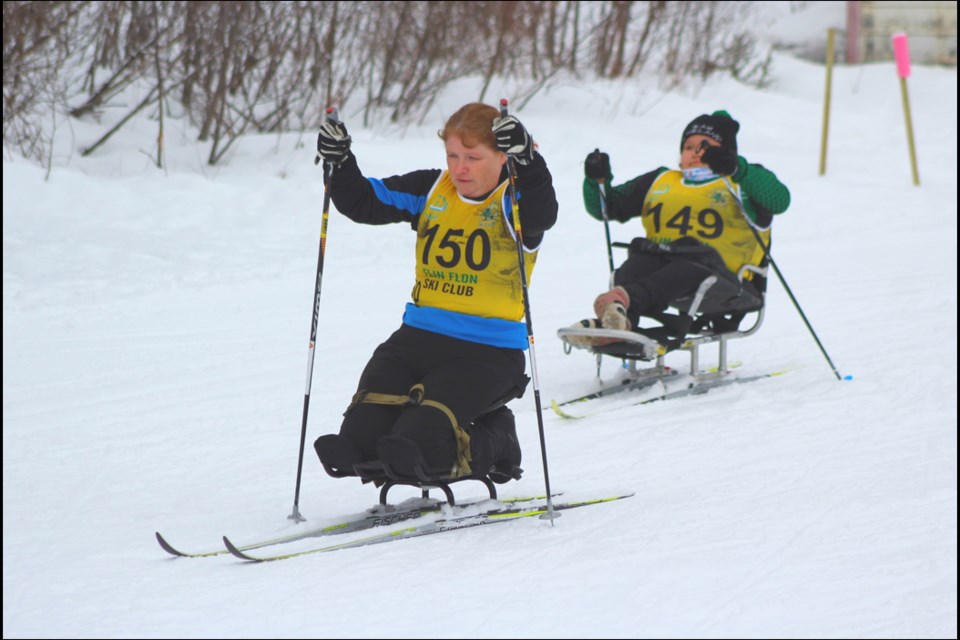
901,52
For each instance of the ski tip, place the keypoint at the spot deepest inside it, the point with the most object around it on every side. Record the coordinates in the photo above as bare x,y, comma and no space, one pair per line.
167,547
557,409
234,551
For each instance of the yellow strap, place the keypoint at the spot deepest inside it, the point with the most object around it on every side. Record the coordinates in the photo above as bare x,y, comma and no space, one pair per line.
381,398
415,397
462,466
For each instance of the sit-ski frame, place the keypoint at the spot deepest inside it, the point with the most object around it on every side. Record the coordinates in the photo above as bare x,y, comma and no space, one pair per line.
631,346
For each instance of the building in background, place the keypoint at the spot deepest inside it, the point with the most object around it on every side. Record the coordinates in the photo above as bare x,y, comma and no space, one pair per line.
930,26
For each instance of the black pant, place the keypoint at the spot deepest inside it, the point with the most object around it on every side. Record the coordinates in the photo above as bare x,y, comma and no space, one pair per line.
653,281
468,377
655,276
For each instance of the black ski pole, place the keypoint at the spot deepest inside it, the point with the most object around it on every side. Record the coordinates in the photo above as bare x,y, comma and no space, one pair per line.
606,222
327,182
776,269
518,230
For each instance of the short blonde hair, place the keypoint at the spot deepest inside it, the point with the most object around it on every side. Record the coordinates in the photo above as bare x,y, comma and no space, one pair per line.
473,124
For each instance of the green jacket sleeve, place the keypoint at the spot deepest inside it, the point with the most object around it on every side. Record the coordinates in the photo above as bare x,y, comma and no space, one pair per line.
763,194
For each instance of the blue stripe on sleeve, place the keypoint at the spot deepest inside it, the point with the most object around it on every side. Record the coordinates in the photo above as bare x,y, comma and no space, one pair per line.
403,201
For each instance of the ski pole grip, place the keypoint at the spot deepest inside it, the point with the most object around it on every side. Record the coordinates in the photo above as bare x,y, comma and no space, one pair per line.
503,107
332,116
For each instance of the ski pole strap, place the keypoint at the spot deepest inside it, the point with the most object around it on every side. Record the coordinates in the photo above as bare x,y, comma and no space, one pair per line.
415,398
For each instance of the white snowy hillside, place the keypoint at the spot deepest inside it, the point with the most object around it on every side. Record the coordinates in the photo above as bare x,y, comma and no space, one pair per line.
155,334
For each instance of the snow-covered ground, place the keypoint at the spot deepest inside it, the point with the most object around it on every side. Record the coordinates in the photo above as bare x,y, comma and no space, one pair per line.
155,329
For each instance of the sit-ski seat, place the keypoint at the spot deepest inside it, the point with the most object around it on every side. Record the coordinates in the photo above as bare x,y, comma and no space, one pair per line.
385,476
395,467
715,312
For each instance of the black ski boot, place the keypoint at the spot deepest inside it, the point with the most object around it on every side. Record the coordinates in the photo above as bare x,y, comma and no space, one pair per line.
495,447
338,454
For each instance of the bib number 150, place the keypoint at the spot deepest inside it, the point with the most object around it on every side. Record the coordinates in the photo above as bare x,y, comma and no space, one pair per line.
451,249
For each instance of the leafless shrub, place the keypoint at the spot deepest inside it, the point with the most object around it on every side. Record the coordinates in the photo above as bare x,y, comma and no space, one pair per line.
39,38
238,67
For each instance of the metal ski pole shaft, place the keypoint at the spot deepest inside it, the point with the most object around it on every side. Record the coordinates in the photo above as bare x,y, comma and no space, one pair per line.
606,222
518,230
327,182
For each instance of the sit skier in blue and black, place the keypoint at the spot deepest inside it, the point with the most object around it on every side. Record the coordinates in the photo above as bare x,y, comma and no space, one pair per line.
434,393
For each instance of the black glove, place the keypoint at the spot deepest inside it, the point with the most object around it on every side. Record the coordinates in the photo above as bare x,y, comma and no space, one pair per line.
333,143
722,162
597,165
513,139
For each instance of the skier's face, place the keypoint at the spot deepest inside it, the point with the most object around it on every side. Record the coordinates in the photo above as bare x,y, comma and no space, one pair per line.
475,170
691,153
